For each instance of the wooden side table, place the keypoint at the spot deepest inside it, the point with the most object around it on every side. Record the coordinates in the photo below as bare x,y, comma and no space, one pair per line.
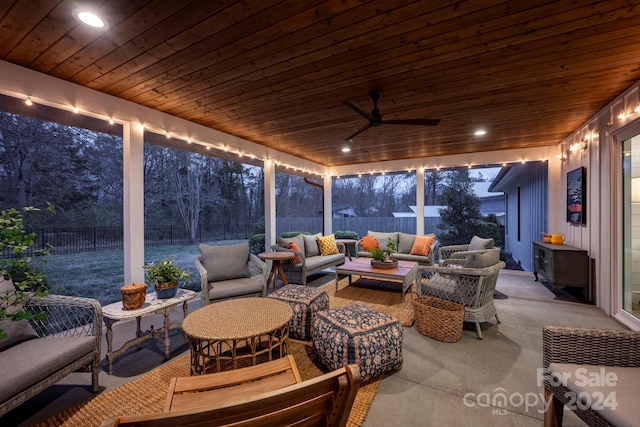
346,243
276,266
116,312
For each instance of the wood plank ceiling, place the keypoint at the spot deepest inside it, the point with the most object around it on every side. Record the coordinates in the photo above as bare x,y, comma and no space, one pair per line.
277,72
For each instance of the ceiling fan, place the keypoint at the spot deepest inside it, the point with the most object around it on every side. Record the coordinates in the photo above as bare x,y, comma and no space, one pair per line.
375,119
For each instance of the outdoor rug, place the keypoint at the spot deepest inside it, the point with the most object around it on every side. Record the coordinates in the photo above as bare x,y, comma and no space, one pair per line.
147,393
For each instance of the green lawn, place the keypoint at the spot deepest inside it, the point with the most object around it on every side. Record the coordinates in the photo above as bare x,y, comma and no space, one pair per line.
100,275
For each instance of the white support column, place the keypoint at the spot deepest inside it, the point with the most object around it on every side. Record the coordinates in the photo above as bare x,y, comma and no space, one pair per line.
133,200
420,201
269,204
328,206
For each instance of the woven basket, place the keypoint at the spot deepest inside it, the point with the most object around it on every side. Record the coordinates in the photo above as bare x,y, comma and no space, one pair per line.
438,319
133,295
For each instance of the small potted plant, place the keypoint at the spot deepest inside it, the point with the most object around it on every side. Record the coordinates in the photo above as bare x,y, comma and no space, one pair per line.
165,276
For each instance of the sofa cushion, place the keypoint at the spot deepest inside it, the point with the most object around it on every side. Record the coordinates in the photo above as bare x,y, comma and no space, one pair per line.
298,239
613,388
383,238
225,262
482,260
319,262
405,242
311,247
17,331
29,362
478,243
294,247
327,245
368,243
422,245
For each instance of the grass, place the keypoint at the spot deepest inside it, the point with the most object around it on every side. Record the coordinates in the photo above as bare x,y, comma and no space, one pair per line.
100,275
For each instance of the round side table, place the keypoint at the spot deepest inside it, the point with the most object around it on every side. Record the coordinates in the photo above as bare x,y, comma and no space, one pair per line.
276,266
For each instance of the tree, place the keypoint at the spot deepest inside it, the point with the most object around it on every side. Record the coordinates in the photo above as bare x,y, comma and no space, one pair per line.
460,218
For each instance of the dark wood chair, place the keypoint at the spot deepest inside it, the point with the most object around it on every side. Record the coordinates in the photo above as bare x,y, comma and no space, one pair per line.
322,401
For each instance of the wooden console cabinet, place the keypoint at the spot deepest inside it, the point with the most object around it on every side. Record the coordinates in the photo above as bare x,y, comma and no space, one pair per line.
562,265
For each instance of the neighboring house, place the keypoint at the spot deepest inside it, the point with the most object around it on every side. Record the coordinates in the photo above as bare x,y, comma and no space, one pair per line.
525,189
490,203
343,212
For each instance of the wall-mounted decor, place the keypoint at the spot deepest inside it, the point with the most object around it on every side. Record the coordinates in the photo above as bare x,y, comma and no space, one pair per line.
576,196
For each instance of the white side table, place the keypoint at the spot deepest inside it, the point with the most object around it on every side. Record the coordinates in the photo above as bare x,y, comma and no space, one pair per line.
115,312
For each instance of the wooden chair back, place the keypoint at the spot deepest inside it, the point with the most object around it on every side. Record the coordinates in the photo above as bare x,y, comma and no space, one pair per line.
322,401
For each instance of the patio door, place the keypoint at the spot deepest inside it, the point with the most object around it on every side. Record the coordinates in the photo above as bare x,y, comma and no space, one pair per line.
631,225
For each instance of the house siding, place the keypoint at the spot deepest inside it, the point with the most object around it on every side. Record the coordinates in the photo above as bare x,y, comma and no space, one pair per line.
532,179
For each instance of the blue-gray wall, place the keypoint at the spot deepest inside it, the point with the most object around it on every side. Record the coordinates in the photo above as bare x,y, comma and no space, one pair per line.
532,179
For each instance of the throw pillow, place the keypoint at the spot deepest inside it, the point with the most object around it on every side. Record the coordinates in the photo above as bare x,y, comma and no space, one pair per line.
327,245
422,245
17,331
486,259
311,245
296,259
225,262
478,243
369,243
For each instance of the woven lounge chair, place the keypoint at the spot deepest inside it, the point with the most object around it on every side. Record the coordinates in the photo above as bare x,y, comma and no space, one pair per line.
471,287
614,353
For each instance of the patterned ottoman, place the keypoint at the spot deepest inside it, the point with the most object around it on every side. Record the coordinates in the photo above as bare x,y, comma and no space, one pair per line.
358,334
305,302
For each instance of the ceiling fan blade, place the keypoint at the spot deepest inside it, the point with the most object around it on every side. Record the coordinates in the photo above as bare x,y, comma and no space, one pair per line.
355,107
362,129
419,122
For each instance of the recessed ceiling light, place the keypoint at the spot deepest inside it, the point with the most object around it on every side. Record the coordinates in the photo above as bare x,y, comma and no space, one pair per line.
480,132
346,149
90,18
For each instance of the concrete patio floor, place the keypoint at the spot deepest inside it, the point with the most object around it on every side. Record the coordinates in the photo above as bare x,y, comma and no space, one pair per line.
440,384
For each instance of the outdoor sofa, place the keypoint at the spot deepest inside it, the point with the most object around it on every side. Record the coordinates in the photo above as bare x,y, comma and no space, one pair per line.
40,353
308,259
404,244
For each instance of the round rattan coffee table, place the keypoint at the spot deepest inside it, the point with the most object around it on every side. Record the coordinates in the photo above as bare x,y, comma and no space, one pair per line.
237,333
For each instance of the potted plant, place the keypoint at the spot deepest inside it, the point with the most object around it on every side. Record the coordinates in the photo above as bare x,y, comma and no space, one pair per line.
166,277
28,281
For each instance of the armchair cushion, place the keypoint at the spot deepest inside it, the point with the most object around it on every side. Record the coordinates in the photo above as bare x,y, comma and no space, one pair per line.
482,260
327,245
225,262
422,245
19,330
478,243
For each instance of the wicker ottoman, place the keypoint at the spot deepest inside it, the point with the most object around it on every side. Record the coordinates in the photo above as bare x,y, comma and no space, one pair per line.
358,334
305,302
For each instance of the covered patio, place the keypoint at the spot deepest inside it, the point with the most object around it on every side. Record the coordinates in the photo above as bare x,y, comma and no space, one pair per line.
285,86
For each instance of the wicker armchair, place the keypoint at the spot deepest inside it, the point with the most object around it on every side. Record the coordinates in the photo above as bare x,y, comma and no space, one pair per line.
69,319
599,348
463,251
472,287
253,286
